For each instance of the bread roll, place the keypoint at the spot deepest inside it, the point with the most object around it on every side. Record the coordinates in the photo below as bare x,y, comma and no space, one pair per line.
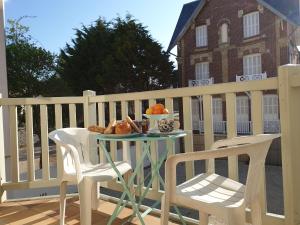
133,125
95,128
123,128
111,127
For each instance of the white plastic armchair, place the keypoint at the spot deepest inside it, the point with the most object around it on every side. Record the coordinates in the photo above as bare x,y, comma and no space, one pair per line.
76,167
213,194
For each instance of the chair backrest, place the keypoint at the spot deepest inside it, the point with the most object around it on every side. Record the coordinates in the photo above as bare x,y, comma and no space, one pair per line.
76,137
257,147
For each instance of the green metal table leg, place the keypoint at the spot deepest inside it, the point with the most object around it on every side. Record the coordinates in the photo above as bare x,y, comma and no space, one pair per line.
123,183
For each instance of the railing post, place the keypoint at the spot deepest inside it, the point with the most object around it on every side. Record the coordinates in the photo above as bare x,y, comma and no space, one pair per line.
289,94
90,118
2,156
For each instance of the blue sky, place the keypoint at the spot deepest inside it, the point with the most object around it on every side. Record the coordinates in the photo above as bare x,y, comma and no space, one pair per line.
55,19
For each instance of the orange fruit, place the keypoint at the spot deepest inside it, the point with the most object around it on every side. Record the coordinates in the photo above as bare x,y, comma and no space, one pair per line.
158,108
165,111
149,111
157,111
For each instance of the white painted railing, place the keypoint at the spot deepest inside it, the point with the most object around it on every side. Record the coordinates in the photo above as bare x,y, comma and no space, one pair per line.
94,107
261,76
203,82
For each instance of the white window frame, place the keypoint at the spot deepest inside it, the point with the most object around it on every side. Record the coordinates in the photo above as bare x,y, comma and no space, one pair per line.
252,64
201,36
224,33
202,71
251,24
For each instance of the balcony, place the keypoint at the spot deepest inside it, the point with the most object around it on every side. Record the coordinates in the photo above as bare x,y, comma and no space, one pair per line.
261,76
23,176
203,82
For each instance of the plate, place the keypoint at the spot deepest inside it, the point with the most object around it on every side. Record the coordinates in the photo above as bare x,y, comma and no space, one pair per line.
161,116
156,132
117,135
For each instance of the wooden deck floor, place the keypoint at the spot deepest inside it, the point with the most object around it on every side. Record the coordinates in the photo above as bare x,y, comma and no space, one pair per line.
46,212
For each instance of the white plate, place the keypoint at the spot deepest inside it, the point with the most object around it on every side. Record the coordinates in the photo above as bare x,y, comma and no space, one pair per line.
161,116
157,132
117,135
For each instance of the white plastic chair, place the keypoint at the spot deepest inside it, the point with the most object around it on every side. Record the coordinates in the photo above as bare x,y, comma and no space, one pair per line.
76,167
213,194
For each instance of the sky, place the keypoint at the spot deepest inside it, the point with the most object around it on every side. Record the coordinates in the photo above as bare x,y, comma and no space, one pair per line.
55,20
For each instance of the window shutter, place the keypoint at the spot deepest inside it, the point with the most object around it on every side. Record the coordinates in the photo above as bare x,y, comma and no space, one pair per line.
202,71
201,36
251,24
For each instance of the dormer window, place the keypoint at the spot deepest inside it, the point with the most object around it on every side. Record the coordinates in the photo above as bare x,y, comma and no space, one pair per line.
251,24
201,36
224,33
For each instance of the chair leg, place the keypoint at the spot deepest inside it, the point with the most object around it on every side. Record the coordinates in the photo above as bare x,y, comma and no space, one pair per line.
63,192
203,218
165,208
95,195
236,216
256,213
127,177
85,198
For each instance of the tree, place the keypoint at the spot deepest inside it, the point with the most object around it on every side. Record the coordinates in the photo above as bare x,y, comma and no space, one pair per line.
30,68
113,57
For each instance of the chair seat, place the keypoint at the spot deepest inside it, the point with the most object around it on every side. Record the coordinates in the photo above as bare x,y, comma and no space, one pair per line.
104,171
211,190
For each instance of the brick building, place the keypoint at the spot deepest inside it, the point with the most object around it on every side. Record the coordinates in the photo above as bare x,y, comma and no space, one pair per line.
235,41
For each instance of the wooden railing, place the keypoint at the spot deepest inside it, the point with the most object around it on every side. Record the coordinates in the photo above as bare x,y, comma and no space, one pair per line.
94,110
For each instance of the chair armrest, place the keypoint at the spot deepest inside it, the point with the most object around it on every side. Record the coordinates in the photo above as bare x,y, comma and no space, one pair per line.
172,161
75,156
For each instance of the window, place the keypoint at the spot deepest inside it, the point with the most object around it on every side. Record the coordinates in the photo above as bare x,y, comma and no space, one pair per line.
217,109
224,33
271,107
252,64
201,36
242,109
251,24
202,71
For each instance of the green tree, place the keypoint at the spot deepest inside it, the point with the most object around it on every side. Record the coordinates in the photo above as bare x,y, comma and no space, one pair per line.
30,68
113,57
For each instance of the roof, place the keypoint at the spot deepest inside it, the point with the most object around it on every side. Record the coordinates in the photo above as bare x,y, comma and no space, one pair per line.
185,17
286,9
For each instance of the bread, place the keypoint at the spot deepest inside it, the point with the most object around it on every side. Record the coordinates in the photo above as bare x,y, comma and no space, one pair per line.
133,125
95,128
123,128
111,127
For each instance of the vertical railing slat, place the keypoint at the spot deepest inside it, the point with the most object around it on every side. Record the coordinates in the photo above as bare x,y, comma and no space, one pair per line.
58,125
258,128
125,144
44,141
154,151
14,145
72,115
231,132
113,116
188,140
101,123
170,106
208,130
29,142
138,146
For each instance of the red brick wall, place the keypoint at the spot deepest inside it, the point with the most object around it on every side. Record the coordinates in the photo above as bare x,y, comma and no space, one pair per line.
219,11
